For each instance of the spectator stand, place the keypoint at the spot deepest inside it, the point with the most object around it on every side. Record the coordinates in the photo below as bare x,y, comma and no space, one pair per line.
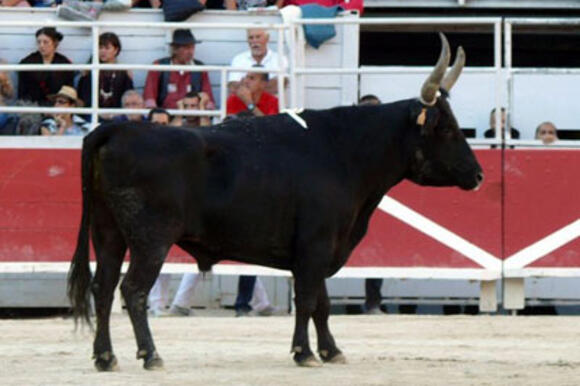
440,232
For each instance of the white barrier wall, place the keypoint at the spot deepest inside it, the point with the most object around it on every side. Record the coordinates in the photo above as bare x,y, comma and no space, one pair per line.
470,107
542,97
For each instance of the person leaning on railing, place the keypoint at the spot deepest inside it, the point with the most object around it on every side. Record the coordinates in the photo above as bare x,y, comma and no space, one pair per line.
547,133
35,86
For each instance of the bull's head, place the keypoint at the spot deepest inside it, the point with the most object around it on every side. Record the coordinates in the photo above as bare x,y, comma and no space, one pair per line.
440,155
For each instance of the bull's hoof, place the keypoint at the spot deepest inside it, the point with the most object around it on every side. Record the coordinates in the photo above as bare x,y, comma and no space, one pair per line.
106,362
308,361
337,358
154,362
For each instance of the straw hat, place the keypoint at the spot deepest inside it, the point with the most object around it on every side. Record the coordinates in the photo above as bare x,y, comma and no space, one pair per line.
67,92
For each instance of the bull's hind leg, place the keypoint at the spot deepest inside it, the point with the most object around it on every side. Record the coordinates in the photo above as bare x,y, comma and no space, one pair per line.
110,249
146,262
326,346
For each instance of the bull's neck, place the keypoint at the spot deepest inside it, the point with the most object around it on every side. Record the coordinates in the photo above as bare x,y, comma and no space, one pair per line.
378,144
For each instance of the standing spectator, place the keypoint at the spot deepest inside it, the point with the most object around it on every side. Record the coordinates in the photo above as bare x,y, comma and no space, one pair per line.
112,84
159,294
193,101
257,55
65,123
131,99
251,96
35,86
490,133
164,89
547,133
182,302
373,286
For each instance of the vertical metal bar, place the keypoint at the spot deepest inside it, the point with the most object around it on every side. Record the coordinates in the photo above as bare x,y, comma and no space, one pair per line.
509,76
292,70
498,77
95,78
281,91
223,93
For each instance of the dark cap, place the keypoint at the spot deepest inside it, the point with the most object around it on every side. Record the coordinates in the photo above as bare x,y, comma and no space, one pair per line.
183,37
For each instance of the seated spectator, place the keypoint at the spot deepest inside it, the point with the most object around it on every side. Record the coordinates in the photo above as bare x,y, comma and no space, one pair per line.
257,55
14,3
131,99
112,84
65,123
490,133
35,86
192,101
369,99
164,89
547,133
6,94
251,96
160,116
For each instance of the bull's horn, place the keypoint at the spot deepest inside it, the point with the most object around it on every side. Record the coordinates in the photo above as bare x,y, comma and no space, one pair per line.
455,71
431,85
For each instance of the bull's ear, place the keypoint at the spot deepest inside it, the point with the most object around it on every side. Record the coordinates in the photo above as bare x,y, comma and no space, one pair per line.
424,117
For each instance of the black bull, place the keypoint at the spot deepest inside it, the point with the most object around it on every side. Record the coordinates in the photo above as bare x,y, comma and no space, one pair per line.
262,191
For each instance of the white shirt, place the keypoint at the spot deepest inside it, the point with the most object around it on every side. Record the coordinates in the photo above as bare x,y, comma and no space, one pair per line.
245,59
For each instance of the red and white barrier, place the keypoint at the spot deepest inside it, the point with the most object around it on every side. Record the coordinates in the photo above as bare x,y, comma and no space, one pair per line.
525,221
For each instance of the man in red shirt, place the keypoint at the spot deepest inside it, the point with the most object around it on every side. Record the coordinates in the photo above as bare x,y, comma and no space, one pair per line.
251,97
164,89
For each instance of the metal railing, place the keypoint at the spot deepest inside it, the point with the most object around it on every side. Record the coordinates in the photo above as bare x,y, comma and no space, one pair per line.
297,70
511,71
95,67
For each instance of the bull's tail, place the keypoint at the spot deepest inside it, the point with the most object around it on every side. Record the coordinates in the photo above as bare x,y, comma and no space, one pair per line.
79,275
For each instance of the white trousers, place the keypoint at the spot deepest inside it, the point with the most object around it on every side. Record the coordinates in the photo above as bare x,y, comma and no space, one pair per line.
159,295
259,297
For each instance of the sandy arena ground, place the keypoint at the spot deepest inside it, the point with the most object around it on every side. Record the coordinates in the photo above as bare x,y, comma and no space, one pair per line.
218,349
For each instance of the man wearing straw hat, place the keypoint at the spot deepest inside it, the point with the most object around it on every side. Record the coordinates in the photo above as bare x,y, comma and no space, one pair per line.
65,123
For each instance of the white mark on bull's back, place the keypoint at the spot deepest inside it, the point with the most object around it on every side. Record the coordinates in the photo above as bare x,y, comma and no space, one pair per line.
54,171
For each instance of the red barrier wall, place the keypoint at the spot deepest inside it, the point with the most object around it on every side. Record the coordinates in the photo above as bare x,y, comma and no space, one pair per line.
40,211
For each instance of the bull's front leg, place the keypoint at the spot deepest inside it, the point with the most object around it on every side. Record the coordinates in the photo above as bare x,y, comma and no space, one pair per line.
306,294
